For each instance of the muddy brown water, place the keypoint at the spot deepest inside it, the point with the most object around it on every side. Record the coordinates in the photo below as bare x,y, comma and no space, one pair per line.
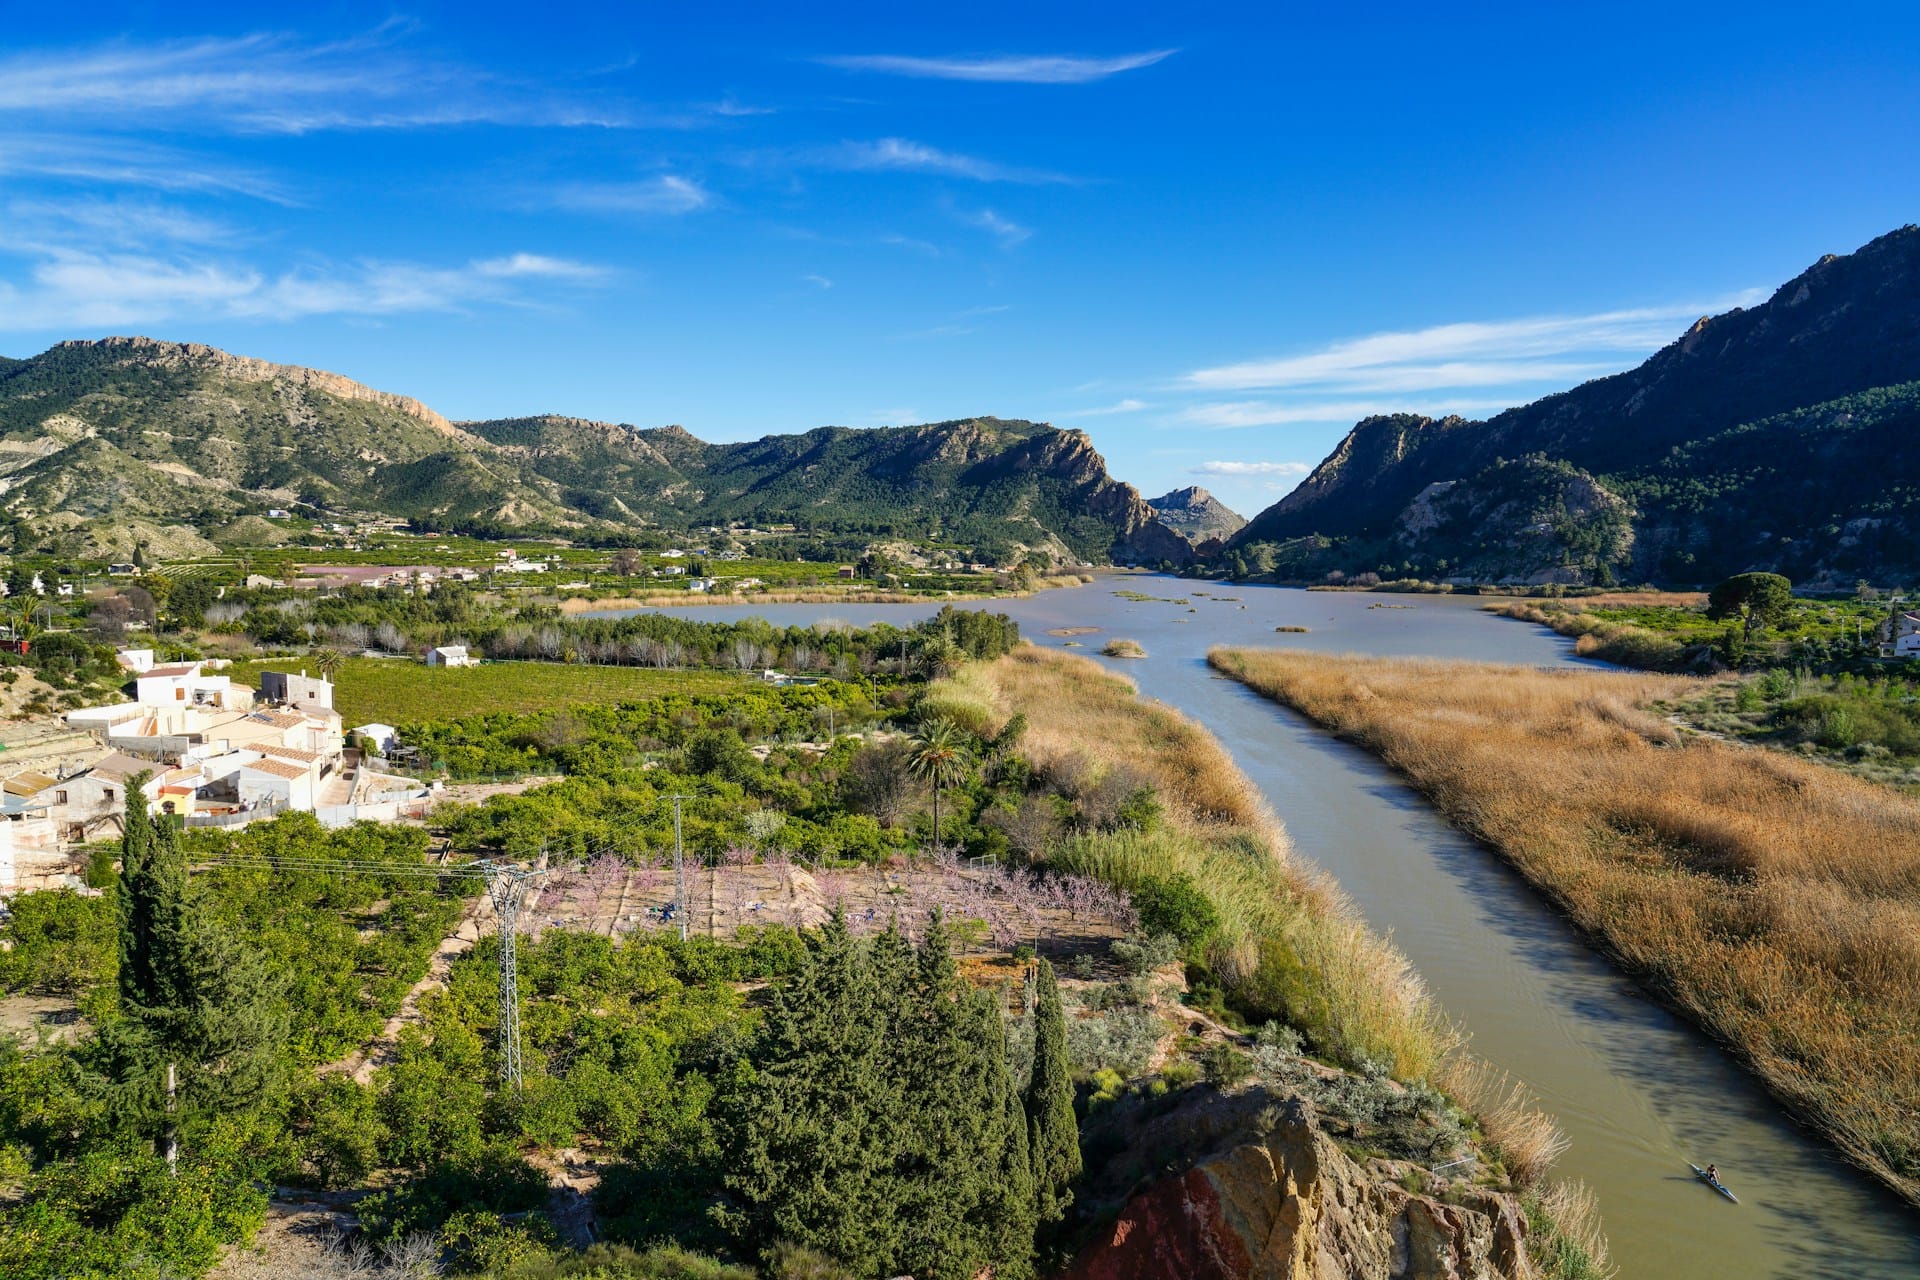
1639,1092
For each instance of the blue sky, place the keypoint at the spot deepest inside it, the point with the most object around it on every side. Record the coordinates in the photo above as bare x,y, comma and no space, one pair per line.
1211,236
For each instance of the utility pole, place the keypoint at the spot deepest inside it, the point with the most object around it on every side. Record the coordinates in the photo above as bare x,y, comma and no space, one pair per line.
679,869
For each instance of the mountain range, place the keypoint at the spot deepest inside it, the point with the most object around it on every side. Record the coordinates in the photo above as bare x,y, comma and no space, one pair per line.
1783,437
185,448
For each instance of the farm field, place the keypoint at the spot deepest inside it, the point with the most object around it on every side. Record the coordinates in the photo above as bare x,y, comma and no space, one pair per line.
400,690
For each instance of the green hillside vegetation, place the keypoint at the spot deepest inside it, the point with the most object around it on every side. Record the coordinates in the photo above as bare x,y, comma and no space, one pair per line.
110,444
977,482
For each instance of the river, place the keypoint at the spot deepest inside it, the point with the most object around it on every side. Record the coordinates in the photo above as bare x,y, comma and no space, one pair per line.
1638,1091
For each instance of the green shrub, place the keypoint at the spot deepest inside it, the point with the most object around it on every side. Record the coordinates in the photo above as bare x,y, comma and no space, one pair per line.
496,1180
1175,905
478,1241
1139,956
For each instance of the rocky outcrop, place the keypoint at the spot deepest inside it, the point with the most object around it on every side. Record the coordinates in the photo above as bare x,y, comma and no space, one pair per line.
196,355
1196,515
1288,1204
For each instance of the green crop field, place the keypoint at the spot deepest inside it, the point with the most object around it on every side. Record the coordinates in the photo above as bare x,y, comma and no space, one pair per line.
401,690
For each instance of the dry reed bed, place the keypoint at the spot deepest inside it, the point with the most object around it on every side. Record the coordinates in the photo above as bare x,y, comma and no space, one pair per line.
1288,940
1774,900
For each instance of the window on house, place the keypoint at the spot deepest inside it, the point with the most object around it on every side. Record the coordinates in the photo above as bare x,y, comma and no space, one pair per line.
59,797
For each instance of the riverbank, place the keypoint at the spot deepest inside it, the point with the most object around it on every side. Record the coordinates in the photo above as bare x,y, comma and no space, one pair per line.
1774,901
677,599
1286,943
1289,945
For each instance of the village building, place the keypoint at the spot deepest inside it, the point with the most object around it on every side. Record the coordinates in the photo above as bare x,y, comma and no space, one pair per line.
451,655
1900,636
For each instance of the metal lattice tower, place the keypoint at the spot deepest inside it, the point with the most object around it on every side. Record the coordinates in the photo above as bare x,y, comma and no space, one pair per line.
507,886
508,891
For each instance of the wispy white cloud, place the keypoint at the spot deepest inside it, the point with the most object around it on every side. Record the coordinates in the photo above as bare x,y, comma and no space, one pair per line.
46,226
1496,353
120,162
666,194
278,83
537,266
817,281
1265,413
1008,232
1004,69
1242,469
1119,406
898,241
83,289
907,156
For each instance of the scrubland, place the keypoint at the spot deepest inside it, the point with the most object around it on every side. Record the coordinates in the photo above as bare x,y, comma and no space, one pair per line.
1774,900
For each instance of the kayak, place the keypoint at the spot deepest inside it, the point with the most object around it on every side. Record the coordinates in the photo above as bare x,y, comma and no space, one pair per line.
1715,1183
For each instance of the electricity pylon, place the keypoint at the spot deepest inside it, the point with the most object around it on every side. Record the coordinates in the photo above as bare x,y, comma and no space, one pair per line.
507,886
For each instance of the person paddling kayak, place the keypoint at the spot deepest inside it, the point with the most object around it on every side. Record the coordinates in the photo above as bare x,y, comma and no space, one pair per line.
1711,1176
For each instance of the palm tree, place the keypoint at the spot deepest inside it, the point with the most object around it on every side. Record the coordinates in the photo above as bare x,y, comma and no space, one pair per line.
329,662
939,757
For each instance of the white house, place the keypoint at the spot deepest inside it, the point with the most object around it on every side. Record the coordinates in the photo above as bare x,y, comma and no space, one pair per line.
30,856
184,683
451,655
1900,636
302,691
383,736
272,783
138,661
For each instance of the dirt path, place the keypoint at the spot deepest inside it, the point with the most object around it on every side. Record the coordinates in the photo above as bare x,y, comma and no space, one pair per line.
363,1062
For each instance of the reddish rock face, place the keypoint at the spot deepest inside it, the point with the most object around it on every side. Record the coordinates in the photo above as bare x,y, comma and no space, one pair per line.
1292,1206
1175,1228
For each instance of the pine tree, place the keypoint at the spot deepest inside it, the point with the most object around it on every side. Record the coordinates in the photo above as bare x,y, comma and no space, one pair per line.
1053,1134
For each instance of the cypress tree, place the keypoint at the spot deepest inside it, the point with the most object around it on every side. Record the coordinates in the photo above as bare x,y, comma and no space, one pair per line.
1053,1134
1010,1209
202,1019
809,1150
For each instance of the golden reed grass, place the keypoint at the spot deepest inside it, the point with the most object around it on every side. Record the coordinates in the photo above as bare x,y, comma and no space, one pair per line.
1288,937
1775,900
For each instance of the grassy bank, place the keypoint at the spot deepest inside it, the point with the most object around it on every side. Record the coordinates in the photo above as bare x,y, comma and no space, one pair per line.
1287,943
824,595
1774,900
400,690
1595,635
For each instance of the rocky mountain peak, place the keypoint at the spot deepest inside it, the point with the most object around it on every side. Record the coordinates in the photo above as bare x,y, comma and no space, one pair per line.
154,352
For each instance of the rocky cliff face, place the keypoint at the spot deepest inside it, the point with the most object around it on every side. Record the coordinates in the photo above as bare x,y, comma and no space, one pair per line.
201,358
1268,1196
1740,445
1196,515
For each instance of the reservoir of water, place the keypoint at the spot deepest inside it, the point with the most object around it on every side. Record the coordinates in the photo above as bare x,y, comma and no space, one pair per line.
1639,1092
